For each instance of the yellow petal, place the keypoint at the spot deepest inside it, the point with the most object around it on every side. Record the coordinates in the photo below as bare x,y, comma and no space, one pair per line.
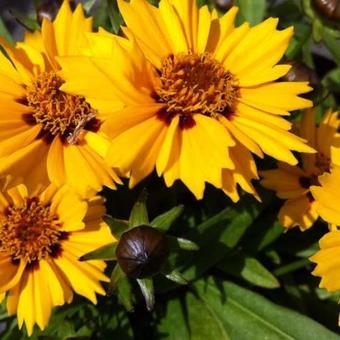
84,277
153,37
299,211
276,98
10,273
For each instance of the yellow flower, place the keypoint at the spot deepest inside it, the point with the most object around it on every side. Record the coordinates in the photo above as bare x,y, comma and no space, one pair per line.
44,132
199,94
293,183
328,261
43,234
327,196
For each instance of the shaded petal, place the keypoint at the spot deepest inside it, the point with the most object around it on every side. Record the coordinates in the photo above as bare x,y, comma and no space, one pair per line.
298,211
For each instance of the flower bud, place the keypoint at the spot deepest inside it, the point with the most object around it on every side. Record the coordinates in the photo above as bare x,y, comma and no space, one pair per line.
301,72
224,5
142,251
328,8
49,9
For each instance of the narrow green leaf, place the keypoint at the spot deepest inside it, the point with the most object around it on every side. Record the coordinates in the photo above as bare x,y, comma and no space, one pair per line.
88,5
121,285
250,269
139,213
5,33
107,253
114,15
30,23
118,227
332,80
165,220
332,44
124,293
249,316
177,277
181,243
303,33
291,267
146,286
116,275
252,11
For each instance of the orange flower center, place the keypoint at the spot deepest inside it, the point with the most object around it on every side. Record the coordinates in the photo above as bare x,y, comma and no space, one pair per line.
58,112
195,83
30,231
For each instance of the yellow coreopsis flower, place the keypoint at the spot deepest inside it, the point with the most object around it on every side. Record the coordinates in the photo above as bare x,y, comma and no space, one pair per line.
46,134
293,183
43,233
327,196
328,261
198,94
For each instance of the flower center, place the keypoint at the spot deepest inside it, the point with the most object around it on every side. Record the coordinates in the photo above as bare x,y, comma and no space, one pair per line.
323,162
195,83
58,112
30,232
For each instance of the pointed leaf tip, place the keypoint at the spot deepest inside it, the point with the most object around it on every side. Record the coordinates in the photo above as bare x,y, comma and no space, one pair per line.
165,220
139,213
146,286
107,253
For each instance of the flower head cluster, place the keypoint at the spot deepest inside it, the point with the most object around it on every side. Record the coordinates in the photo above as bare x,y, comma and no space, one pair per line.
189,95
293,183
198,95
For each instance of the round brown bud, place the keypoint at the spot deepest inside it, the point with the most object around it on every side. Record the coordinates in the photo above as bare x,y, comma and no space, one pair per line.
49,9
224,5
141,251
301,72
328,8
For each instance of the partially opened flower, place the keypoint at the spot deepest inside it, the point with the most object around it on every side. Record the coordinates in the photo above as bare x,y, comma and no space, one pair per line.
44,132
293,183
43,234
199,94
328,261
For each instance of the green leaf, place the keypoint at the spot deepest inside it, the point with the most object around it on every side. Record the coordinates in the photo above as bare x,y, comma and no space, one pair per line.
250,269
247,315
181,243
30,23
303,33
88,5
107,253
118,227
165,220
114,15
203,321
177,277
332,80
291,267
146,286
124,293
252,11
122,286
5,33
172,321
332,44
219,234
116,275
139,214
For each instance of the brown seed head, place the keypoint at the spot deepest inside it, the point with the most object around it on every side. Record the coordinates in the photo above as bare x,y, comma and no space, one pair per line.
141,251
